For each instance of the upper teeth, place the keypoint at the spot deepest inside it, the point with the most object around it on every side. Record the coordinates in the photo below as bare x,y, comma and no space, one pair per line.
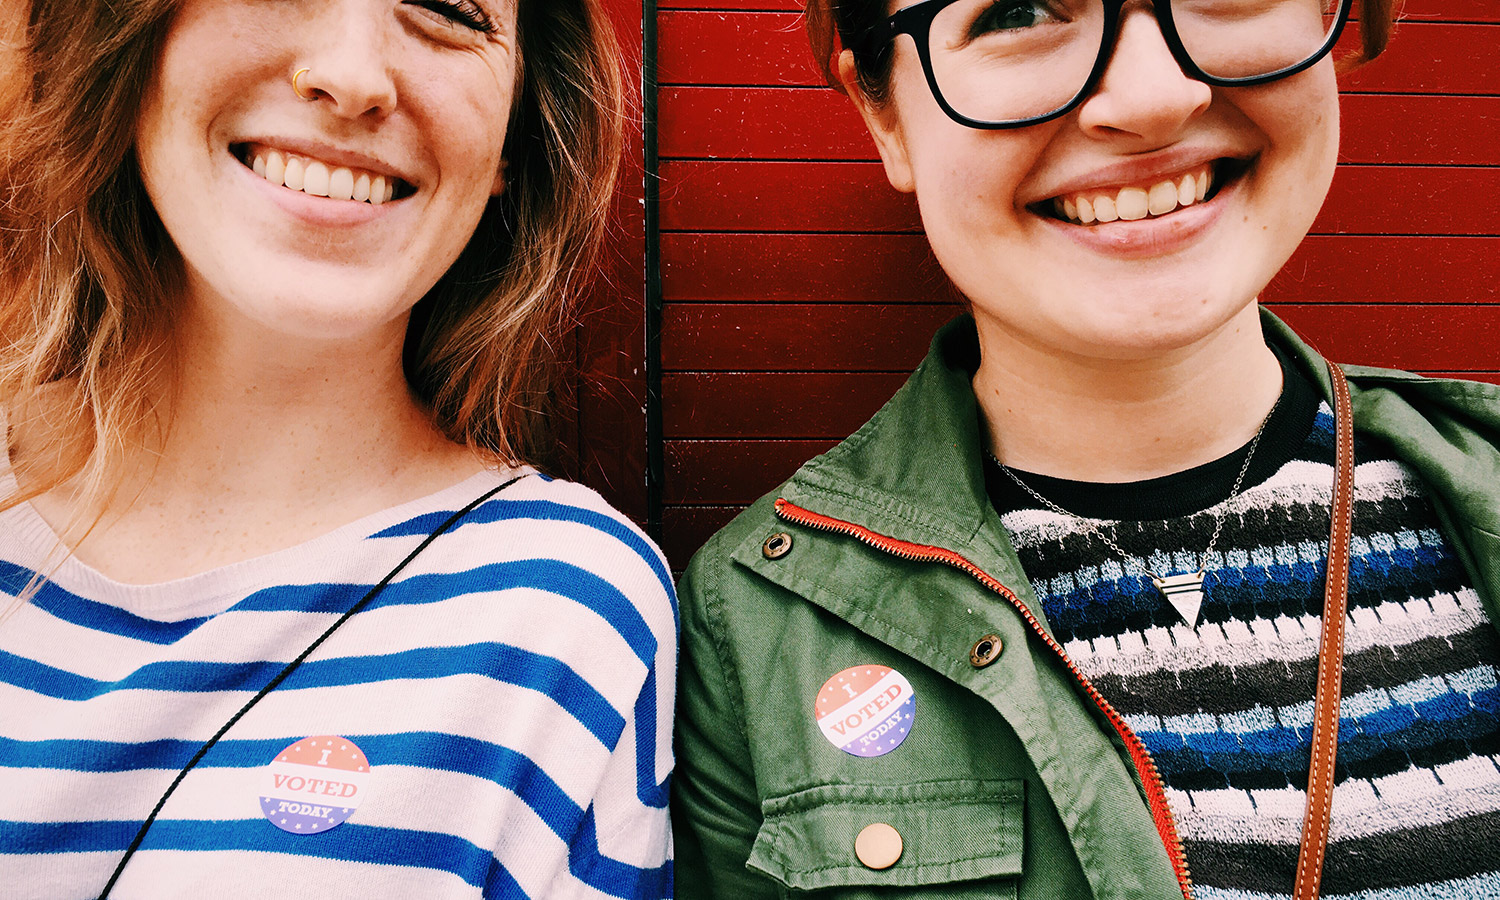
1135,201
320,179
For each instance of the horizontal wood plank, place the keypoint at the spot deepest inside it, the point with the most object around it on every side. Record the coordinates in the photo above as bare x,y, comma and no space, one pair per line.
900,268
727,195
732,472
799,405
853,338
723,195
799,267
823,337
762,123
1390,269
1418,338
686,528
818,123
771,49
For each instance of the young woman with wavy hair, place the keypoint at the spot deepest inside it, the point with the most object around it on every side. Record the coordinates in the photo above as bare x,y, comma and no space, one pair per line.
287,601
1079,612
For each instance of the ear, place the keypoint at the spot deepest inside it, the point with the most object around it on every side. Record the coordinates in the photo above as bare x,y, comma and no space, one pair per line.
499,186
883,124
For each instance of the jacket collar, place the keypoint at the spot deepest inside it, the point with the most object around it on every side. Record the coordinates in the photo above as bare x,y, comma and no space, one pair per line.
914,471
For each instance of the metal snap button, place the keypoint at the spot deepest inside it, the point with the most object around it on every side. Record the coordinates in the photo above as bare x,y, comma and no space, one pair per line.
777,545
878,846
985,651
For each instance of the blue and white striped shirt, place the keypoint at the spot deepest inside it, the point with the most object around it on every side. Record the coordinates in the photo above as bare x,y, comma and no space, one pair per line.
511,692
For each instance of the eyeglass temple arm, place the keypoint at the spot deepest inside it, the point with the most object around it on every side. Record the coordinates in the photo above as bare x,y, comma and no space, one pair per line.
876,37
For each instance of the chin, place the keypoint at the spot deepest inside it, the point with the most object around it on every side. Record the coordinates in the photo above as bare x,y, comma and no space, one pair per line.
1148,323
310,311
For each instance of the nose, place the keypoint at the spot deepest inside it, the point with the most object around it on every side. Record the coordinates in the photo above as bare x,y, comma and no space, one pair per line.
345,52
1144,96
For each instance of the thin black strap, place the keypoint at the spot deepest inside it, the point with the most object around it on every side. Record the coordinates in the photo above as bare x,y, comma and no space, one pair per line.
282,675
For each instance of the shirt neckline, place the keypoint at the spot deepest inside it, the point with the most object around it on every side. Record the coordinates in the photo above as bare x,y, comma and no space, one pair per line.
37,546
1180,493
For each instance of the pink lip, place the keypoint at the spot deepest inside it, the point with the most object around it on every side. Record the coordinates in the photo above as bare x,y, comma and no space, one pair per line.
1145,238
317,211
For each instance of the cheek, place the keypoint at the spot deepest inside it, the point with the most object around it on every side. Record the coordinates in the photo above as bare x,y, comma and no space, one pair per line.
1301,118
464,118
967,186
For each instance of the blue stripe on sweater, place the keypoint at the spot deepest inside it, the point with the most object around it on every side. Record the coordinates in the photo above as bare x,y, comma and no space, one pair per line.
1449,715
91,614
500,662
348,842
501,885
551,576
1087,606
545,510
617,879
650,792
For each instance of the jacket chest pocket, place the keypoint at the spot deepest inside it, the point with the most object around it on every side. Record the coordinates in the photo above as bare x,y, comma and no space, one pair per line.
953,839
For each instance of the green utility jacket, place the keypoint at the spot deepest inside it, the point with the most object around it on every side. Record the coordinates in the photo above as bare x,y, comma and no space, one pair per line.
1011,781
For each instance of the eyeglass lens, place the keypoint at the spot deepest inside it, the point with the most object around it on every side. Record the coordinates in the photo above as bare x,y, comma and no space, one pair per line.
1004,60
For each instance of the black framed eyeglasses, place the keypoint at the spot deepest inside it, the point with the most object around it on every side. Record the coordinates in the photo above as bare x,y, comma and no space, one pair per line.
1010,63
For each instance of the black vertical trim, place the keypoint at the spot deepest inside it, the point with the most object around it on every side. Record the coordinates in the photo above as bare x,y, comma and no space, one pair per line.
655,453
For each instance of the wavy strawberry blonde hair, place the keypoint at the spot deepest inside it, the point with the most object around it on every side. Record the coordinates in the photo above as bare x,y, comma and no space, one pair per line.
86,268
847,19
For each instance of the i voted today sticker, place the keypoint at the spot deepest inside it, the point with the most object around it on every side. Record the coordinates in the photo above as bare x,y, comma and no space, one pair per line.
866,710
314,785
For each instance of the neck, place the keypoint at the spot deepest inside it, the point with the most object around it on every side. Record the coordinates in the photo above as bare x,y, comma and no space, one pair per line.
1111,420
268,426
247,407
258,442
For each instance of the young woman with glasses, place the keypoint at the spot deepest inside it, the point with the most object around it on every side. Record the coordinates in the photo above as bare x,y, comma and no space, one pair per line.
1052,624
286,606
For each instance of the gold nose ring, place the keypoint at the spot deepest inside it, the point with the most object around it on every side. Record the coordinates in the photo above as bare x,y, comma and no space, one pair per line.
296,87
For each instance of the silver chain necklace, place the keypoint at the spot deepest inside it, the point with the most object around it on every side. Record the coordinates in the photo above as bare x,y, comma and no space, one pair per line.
1184,591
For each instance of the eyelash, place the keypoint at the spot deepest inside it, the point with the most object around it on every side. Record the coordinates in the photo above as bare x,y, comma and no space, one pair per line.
460,12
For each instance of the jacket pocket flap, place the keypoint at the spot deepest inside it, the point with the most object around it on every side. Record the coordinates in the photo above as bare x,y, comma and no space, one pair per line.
951,831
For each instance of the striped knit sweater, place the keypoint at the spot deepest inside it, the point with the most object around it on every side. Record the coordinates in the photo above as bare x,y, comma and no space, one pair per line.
1226,710
495,724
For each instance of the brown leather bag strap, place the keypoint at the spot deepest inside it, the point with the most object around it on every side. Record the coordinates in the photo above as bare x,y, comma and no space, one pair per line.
1331,651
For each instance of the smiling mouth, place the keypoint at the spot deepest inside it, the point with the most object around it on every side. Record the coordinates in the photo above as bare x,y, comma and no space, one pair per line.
298,172
1134,202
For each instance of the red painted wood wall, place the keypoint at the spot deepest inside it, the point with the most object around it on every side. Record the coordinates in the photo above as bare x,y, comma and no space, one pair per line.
798,292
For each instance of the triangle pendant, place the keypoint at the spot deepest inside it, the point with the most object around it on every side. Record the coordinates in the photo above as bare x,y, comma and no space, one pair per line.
1185,593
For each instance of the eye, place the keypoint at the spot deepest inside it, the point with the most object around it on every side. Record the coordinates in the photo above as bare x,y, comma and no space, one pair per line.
1010,15
461,13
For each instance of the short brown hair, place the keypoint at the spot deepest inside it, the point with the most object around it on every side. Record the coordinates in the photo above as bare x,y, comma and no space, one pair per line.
87,265
850,18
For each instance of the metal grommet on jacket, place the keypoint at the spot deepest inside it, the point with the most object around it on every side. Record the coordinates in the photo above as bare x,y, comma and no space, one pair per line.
985,651
777,545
